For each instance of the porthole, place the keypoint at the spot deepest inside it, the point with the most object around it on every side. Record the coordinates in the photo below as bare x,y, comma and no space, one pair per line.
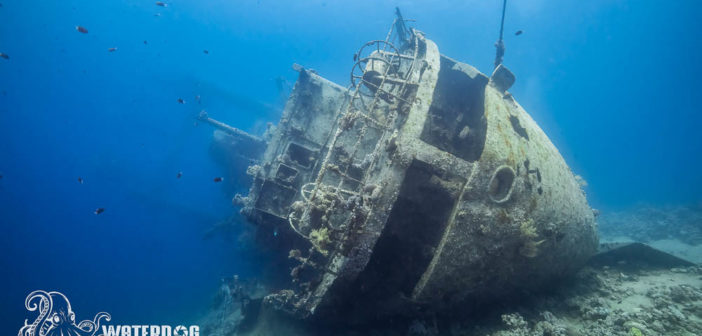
501,184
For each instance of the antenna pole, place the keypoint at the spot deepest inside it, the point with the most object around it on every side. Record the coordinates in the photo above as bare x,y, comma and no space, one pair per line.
500,45
402,31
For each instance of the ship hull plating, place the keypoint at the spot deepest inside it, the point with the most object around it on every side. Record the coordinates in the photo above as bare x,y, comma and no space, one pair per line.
424,183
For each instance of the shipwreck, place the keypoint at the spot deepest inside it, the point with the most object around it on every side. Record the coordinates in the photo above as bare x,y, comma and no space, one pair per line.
422,184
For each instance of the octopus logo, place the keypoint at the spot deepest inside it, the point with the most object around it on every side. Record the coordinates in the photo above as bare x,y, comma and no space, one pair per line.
56,318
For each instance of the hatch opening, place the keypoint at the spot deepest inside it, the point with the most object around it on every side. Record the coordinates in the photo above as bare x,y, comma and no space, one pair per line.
302,156
456,121
412,233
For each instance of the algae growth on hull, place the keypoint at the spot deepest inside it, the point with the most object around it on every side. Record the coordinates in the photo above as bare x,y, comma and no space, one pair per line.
424,185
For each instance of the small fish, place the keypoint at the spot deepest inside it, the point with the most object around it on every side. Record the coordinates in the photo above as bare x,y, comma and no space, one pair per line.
161,3
157,14
197,98
81,29
5,56
355,57
206,51
146,42
519,32
179,174
218,179
0,176
181,101
99,211
80,180
112,49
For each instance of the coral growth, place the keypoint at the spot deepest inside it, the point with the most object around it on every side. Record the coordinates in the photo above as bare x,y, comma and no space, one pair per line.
321,240
530,247
634,331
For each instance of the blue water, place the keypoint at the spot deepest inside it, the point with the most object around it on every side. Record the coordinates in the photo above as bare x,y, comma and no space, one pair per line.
613,83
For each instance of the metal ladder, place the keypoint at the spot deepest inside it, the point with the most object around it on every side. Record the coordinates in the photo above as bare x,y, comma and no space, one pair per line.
369,88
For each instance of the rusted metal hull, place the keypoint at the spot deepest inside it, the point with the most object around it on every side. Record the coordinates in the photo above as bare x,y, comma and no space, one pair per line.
424,183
